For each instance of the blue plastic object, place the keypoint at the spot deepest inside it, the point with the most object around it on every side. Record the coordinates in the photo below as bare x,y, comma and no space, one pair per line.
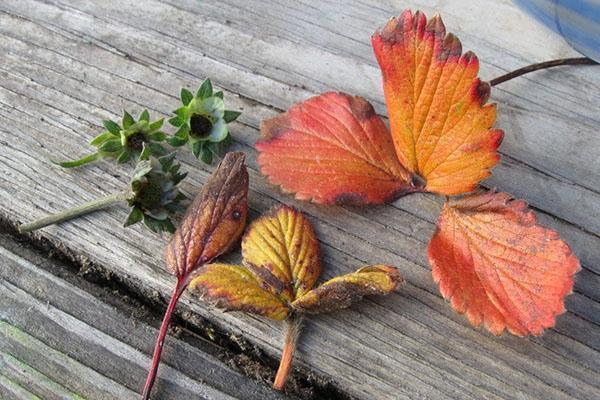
578,21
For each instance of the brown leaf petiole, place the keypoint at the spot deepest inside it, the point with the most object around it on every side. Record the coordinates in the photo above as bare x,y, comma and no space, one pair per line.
539,66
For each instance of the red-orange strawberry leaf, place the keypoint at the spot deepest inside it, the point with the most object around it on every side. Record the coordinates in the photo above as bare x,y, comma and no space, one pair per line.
440,124
497,265
332,149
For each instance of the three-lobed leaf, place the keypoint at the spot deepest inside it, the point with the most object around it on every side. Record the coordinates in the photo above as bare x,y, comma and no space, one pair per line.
281,258
215,219
497,265
333,148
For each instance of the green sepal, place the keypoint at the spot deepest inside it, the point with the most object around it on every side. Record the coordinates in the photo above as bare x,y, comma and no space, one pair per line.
186,96
196,148
112,127
156,125
159,226
144,116
181,112
123,157
111,146
205,89
176,121
178,178
230,115
136,215
157,149
101,138
175,141
180,138
127,120
218,94
206,155
157,136
166,161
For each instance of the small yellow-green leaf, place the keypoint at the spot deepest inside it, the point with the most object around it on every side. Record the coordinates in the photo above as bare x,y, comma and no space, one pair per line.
281,249
341,291
234,288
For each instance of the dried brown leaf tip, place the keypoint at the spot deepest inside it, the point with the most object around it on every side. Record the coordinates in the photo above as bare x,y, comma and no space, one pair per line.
281,265
211,225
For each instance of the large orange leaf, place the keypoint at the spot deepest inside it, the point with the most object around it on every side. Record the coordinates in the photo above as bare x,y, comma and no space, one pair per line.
332,148
281,249
497,265
436,104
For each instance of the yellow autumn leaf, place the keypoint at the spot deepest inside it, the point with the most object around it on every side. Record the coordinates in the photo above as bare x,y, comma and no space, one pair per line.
341,291
281,249
234,288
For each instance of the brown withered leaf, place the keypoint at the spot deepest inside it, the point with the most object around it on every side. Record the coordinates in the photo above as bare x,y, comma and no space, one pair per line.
215,219
342,291
281,250
234,288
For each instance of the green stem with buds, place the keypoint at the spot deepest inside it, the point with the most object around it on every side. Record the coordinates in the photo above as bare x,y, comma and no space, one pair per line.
74,212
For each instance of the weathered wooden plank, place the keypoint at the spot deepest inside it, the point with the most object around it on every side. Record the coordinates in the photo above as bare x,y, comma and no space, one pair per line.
25,375
57,341
318,70
390,218
12,390
421,346
58,366
513,173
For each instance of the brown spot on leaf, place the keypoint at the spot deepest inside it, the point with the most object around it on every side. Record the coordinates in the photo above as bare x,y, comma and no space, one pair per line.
342,291
350,199
361,108
274,127
482,91
451,48
435,26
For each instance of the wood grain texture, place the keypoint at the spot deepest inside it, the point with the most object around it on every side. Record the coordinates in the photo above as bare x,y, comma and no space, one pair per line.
60,342
66,65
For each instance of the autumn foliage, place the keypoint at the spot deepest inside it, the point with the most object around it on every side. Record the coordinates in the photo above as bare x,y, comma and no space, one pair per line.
211,225
281,266
497,265
492,260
